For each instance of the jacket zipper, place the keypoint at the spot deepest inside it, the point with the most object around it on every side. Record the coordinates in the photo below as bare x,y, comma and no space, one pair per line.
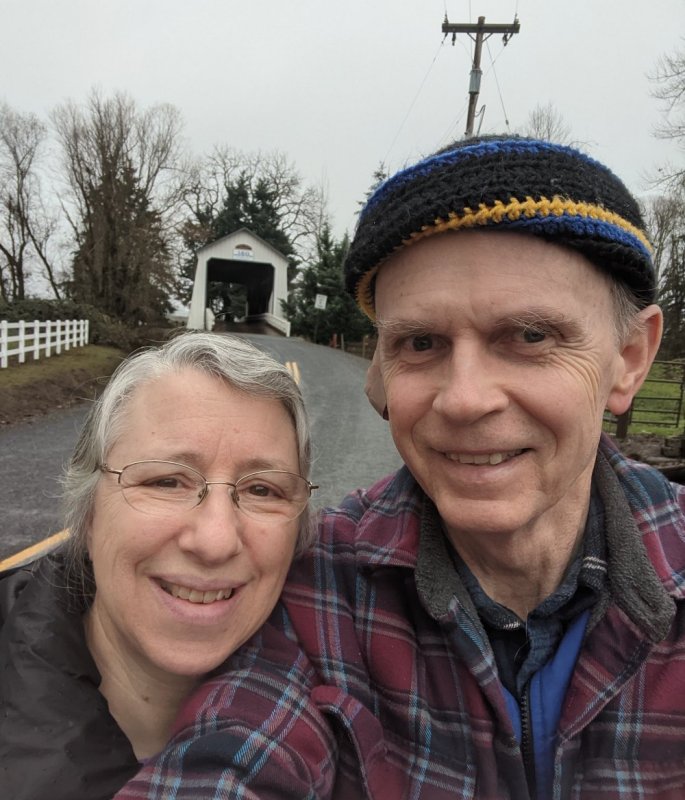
527,745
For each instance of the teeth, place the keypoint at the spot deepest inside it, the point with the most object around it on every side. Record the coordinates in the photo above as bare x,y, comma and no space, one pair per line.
195,595
483,458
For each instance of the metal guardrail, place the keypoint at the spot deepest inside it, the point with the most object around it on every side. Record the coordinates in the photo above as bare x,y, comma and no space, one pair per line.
666,410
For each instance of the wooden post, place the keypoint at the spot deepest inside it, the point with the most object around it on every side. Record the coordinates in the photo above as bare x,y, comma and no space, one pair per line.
623,422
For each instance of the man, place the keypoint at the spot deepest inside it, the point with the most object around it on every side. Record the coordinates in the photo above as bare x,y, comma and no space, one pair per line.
504,617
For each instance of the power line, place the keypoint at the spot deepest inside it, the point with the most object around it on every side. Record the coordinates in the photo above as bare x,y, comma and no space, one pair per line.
413,102
499,91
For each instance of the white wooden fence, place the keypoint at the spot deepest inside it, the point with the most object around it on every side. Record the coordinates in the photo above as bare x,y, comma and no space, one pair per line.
40,338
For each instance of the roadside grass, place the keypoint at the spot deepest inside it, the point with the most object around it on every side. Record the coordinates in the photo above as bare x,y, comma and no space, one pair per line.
655,408
95,359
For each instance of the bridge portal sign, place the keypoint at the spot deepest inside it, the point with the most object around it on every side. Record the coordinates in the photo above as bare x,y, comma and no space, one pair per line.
243,251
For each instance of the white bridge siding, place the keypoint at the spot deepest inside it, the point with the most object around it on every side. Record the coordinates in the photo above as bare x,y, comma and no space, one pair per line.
244,258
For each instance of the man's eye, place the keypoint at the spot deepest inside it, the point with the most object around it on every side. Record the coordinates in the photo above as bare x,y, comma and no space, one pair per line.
421,343
533,335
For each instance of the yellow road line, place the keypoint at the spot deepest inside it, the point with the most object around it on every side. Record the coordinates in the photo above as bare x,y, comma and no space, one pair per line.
294,370
35,550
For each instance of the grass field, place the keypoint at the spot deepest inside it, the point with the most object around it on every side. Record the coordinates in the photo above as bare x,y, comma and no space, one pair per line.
659,407
39,387
93,358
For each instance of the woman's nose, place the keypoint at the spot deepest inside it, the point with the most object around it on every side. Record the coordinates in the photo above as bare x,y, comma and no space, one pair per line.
214,532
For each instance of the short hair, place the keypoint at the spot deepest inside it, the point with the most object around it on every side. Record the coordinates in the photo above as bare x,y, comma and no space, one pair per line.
626,310
232,359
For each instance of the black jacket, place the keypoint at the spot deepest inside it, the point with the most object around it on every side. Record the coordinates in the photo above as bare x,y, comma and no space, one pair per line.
58,740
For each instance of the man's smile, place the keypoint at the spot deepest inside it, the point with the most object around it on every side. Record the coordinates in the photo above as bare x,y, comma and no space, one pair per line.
478,459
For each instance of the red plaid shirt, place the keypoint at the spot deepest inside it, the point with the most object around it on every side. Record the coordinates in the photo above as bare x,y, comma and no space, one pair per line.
374,677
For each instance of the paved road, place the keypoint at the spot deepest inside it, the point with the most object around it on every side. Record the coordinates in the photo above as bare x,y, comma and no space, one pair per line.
352,445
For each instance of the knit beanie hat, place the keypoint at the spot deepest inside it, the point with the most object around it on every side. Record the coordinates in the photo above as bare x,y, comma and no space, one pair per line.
510,184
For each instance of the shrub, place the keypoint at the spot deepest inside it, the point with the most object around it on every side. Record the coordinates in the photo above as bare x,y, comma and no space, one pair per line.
104,329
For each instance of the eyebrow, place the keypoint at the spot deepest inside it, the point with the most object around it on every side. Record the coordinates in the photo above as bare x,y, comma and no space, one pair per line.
545,317
548,317
404,327
192,459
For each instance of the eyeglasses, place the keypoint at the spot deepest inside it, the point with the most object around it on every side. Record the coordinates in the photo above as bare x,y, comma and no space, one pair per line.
164,488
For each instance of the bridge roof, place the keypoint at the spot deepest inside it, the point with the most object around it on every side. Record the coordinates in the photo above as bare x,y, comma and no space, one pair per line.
243,234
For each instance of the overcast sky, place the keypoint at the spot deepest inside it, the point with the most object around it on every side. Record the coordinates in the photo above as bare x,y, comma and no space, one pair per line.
340,87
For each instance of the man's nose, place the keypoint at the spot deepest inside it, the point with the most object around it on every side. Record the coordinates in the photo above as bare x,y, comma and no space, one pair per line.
471,385
215,529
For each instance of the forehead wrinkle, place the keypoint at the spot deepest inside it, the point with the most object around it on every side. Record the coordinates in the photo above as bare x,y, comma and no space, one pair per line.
395,326
197,461
258,464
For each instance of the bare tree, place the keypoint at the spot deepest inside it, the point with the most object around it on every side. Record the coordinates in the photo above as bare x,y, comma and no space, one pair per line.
121,166
297,209
669,80
263,192
665,220
545,122
25,225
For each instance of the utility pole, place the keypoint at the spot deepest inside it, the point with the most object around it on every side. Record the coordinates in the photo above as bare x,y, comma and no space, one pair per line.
478,32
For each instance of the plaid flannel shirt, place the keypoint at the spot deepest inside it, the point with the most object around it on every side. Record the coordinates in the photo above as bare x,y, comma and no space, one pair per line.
374,678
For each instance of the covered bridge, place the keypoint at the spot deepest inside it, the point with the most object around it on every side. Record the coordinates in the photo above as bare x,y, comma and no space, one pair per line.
242,258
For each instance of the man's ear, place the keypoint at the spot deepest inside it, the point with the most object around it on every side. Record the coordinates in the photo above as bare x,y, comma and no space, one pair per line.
635,359
374,388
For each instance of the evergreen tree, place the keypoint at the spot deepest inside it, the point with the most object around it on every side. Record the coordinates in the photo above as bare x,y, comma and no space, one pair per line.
252,205
121,168
263,193
121,263
379,176
325,276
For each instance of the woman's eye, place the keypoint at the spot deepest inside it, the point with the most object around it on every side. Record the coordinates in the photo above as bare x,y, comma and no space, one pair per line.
165,482
260,490
169,482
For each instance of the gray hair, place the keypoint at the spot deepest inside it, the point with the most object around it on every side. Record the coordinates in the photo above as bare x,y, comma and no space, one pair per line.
236,361
626,310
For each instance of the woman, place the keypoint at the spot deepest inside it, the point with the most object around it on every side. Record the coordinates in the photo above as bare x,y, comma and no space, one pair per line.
186,499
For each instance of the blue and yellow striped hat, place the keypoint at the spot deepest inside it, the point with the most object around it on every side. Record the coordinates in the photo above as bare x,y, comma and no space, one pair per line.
505,183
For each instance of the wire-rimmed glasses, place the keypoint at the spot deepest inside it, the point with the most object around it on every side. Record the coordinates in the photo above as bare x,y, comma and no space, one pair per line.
163,488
